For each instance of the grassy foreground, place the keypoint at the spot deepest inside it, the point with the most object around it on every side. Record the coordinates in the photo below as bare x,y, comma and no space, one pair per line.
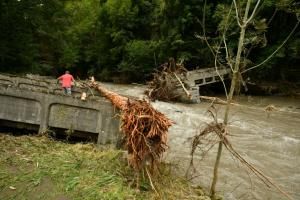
41,168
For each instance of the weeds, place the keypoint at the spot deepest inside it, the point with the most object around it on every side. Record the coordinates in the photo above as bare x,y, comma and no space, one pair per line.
41,168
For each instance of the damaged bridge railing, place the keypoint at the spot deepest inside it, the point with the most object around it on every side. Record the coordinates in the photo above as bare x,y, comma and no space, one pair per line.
38,103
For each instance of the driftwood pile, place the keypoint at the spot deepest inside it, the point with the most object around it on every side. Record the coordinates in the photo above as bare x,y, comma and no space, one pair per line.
168,83
145,129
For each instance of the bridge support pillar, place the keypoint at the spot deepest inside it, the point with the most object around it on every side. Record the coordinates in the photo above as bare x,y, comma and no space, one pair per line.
44,116
194,91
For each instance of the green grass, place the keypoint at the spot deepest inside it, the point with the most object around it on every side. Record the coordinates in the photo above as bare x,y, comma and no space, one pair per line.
41,168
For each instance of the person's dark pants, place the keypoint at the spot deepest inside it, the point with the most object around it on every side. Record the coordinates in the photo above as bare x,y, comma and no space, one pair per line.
67,90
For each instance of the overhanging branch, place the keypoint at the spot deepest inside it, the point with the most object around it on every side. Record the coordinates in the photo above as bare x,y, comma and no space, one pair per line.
283,43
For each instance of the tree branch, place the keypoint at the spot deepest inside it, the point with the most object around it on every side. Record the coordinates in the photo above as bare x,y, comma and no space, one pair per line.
182,85
266,60
222,80
253,12
226,49
237,14
271,19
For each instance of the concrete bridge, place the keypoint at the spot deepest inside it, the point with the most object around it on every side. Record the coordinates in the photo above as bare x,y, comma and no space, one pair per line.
206,76
39,104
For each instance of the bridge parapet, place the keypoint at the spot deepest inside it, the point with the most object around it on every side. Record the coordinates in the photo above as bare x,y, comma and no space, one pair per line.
200,77
206,76
35,103
41,84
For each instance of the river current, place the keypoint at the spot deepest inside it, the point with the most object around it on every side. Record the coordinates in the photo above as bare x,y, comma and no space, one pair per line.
270,141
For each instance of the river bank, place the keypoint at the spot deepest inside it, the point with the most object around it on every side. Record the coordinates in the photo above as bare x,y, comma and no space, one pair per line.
267,139
35,168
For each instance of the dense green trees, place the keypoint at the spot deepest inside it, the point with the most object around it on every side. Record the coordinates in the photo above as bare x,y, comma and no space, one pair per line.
128,38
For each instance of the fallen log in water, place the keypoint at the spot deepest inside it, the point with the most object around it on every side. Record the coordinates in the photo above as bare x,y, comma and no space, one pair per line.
217,100
214,99
145,129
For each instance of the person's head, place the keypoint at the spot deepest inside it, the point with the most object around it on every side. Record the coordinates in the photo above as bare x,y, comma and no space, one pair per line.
67,72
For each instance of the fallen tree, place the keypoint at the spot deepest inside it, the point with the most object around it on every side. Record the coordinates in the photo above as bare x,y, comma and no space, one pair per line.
145,129
216,100
168,83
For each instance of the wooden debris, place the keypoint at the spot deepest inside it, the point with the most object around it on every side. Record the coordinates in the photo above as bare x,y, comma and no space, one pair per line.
83,96
217,100
215,132
168,83
145,129
269,109
214,99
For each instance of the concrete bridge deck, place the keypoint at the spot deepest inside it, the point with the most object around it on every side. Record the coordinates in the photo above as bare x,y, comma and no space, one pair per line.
201,77
206,76
39,104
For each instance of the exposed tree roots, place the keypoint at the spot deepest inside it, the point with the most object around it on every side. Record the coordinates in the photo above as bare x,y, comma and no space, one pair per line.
145,129
146,132
168,83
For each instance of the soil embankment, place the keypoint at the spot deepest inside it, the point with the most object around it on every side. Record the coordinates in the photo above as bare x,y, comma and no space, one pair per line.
41,168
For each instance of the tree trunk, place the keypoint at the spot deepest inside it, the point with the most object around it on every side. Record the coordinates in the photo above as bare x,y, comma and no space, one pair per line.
229,99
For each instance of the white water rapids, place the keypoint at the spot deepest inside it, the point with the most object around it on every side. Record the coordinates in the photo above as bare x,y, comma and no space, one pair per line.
271,144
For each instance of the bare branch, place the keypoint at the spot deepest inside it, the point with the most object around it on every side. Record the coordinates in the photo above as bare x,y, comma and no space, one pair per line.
203,19
270,20
204,31
237,14
182,85
224,39
210,47
228,57
245,17
253,12
151,183
220,129
220,76
283,43
226,49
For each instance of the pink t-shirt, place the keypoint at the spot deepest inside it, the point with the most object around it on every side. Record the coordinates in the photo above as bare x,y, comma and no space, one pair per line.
66,80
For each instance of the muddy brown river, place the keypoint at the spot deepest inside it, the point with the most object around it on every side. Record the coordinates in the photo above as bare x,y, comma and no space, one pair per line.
270,143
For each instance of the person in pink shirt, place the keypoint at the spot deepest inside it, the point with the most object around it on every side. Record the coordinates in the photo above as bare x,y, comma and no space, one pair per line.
66,81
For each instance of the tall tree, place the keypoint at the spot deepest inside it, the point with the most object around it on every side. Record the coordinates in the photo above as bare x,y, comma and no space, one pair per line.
251,31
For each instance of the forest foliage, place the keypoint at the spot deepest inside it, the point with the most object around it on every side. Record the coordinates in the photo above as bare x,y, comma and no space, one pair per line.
127,39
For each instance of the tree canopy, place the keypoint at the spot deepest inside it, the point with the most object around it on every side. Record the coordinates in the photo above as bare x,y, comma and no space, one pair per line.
129,38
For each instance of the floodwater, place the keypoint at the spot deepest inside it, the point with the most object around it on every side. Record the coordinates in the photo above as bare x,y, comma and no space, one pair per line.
269,141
